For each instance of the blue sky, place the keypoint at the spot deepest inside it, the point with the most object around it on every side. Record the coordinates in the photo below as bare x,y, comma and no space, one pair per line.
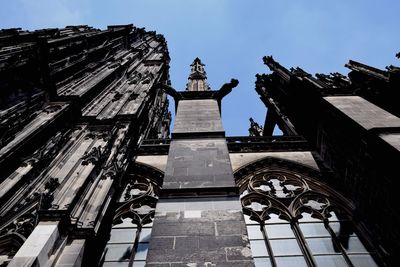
232,36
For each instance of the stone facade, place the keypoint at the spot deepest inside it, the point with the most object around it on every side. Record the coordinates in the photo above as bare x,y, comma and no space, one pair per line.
91,177
352,124
75,105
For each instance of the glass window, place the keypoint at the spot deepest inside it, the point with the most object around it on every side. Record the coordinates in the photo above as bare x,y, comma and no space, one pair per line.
353,245
274,219
131,232
333,217
118,252
254,232
116,264
335,226
314,230
330,261
307,218
258,248
282,247
126,223
127,235
248,220
330,239
279,231
139,263
291,261
322,246
262,262
342,228
362,261
148,225
141,252
145,235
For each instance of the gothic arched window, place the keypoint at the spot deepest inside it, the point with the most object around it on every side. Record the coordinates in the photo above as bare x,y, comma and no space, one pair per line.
293,220
133,220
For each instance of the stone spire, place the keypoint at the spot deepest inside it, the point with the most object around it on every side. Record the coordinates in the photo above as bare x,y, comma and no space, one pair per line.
255,129
197,80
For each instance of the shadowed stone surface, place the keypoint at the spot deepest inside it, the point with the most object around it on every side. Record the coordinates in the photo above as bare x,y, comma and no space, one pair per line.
198,163
72,255
239,160
158,162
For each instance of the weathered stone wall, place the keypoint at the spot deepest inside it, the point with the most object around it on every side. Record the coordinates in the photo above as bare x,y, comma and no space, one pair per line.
199,232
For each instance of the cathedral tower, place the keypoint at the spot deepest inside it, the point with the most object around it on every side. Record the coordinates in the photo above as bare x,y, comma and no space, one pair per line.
90,175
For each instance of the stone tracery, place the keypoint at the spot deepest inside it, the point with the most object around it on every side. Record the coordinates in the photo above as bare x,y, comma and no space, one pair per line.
283,196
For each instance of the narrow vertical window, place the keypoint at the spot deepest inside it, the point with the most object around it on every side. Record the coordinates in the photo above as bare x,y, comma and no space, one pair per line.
133,221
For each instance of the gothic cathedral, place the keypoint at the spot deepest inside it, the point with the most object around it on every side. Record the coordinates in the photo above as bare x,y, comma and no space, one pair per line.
91,175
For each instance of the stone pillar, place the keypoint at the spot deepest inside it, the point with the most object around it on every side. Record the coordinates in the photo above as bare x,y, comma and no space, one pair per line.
199,220
38,247
72,254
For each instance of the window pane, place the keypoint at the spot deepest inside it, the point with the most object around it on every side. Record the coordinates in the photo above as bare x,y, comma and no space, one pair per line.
342,227
118,252
254,232
333,217
262,262
307,218
362,261
145,235
291,261
139,263
330,261
279,231
274,219
335,227
248,220
122,235
322,246
314,230
127,222
353,245
148,225
141,252
115,264
258,248
256,206
282,247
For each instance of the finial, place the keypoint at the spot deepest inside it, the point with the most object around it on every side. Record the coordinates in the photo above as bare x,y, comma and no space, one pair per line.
255,129
197,78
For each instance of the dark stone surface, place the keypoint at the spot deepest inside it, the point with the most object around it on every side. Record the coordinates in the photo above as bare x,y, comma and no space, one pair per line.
353,123
161,243
198,163
50,80
198,116
184,228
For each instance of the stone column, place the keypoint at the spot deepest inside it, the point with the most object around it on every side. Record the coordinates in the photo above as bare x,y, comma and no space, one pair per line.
38,247
199,220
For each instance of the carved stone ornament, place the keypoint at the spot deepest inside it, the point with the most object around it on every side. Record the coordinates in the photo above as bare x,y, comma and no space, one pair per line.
139,198
287,194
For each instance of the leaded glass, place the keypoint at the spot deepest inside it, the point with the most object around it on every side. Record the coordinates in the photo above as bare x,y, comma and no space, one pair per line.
302,227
